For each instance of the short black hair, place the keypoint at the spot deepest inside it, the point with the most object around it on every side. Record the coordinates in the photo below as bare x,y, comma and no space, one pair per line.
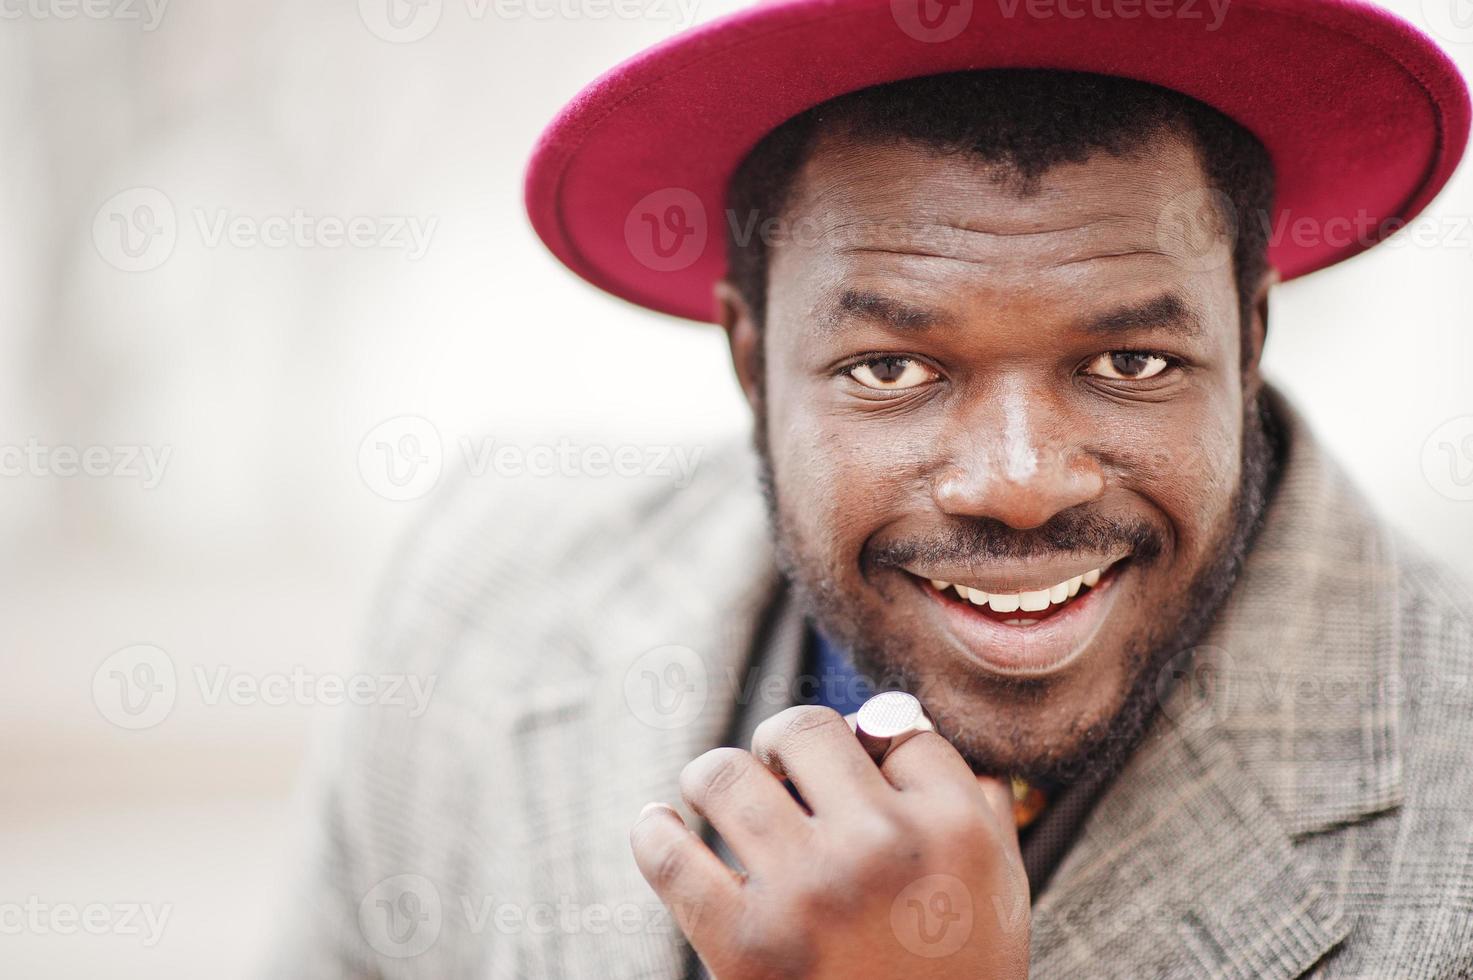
1027,121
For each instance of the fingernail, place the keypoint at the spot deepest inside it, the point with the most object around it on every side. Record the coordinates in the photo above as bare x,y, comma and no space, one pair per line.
652,807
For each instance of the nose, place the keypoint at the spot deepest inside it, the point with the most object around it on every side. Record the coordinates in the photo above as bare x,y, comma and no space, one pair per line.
1016,460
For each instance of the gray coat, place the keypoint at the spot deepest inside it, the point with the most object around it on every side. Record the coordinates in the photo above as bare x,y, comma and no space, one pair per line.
1302,806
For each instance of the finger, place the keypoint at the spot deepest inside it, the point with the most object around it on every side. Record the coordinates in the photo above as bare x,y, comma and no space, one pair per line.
927,762
814,747
999,794
749,807
688,877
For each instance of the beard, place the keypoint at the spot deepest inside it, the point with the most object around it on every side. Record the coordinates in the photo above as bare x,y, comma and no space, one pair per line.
1087,751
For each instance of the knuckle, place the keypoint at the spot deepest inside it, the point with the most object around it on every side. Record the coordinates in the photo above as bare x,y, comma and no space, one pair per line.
870,852
715,774
806,718
966,836
669,865
792,727
876,834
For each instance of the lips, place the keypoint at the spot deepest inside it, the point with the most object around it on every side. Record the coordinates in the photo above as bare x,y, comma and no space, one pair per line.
1024,631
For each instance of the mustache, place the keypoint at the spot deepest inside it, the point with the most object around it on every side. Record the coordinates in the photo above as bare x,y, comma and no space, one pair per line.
978,539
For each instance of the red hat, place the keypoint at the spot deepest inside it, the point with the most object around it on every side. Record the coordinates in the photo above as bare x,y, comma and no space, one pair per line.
1364,117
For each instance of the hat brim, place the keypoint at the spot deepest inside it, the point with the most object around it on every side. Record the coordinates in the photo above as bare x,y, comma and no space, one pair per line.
1363,116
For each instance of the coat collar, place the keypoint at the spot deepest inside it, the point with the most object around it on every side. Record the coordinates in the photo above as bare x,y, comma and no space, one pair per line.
1283,727
672,613
1310,648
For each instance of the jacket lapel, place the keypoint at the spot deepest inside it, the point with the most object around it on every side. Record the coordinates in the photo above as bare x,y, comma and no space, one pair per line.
668,622
1183,869
1278,728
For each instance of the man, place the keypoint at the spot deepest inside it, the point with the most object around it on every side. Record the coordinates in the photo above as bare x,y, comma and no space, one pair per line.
1195,711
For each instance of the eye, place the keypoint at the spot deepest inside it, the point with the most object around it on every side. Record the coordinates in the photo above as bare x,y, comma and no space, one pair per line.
891,373
1128,365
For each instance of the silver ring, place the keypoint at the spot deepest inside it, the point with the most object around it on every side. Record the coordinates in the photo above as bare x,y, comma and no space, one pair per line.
886,720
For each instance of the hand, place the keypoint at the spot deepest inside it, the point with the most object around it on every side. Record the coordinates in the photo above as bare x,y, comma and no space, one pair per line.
910,869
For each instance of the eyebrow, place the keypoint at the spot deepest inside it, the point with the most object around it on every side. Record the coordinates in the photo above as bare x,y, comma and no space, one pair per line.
883,310
1168,311
1165,312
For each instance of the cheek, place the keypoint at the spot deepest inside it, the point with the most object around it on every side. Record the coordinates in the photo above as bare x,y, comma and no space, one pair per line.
1188,467
839,479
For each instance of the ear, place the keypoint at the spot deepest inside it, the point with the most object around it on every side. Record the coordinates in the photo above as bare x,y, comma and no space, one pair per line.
1257,331
745,340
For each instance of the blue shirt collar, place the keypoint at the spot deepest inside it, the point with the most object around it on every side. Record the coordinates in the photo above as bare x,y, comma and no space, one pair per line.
831,679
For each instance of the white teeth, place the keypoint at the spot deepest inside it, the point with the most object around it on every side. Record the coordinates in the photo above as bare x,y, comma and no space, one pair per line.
1005,603
1033,601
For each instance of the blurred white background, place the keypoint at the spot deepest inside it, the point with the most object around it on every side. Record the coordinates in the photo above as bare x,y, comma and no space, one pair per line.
260,369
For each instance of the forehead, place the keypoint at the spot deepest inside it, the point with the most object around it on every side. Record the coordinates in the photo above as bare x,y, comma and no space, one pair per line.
949,225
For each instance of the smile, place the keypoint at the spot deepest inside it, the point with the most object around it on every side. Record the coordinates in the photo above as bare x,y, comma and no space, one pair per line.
1044,601
1020,628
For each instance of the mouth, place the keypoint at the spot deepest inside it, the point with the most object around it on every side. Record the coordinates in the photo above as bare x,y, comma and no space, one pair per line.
1026,607
1029,631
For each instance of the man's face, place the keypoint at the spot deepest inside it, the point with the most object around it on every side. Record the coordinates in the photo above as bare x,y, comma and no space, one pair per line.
1014,393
